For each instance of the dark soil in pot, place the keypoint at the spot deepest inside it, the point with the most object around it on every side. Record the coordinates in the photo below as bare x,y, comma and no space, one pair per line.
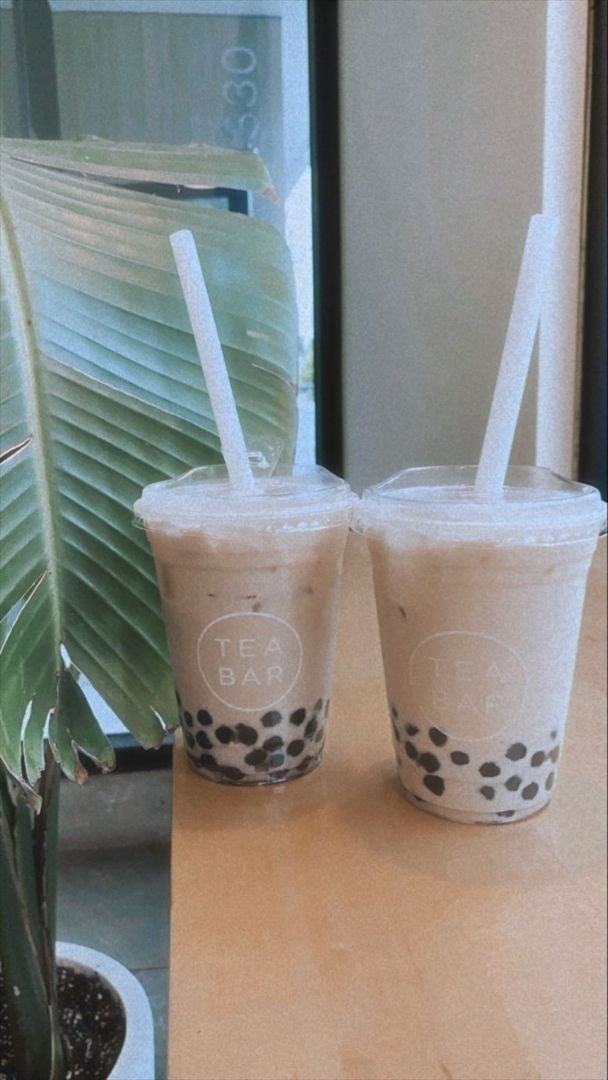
92,1023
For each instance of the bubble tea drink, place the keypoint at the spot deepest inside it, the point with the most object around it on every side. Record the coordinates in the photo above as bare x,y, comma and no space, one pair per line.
479,604
249,585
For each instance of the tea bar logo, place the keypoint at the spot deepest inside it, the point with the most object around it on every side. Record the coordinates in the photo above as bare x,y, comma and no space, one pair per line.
468,685
249,660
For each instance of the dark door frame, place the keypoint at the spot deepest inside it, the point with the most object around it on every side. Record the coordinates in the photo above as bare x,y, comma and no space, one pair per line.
325,161
594,388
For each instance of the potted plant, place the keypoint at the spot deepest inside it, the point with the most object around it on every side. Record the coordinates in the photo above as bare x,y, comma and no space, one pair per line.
102,394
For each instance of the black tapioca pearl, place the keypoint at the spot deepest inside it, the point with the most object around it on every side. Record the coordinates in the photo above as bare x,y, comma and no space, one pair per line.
530,791
506,813
516,751
304,764
280,774
429,762
295,747
246,734
232,773
189,738
487,791
271,719
298,717
459,757
188,718
549,782
434,784
319,735
412,729
318,705
310,728
274,743
554,754
489,768
554,734
256,757
207,761
513,783
225,734
538,758
276,760
203,740
439,738
411,751
204,717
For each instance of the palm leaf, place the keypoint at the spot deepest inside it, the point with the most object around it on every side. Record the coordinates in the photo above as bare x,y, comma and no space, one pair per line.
198,166
101,394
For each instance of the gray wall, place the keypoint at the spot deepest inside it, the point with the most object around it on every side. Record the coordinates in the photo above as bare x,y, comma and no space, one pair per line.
12,120
441,159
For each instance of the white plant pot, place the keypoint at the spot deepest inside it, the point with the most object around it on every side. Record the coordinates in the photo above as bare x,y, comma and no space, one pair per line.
136,1058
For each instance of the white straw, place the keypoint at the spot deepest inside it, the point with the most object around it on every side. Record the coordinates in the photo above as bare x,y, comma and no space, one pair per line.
566,70
516,355
211,358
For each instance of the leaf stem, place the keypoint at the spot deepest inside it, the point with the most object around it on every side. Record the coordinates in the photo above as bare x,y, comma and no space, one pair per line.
45,839
29,1016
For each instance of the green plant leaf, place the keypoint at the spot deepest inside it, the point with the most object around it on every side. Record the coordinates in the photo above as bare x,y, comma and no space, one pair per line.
27,672
103,394
73,727
195,166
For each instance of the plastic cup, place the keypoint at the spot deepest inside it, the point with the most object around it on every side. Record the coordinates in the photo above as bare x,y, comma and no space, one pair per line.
249,585
479,605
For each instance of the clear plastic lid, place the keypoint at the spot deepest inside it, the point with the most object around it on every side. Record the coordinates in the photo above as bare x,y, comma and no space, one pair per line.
298,496
445,496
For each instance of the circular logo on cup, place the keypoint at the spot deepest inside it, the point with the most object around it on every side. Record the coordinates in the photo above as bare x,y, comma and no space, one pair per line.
468,685
249,660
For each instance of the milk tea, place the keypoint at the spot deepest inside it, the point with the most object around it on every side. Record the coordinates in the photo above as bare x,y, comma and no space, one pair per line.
249,595
479,612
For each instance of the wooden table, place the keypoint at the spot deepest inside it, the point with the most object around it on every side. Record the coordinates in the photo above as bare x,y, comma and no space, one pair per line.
327,930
